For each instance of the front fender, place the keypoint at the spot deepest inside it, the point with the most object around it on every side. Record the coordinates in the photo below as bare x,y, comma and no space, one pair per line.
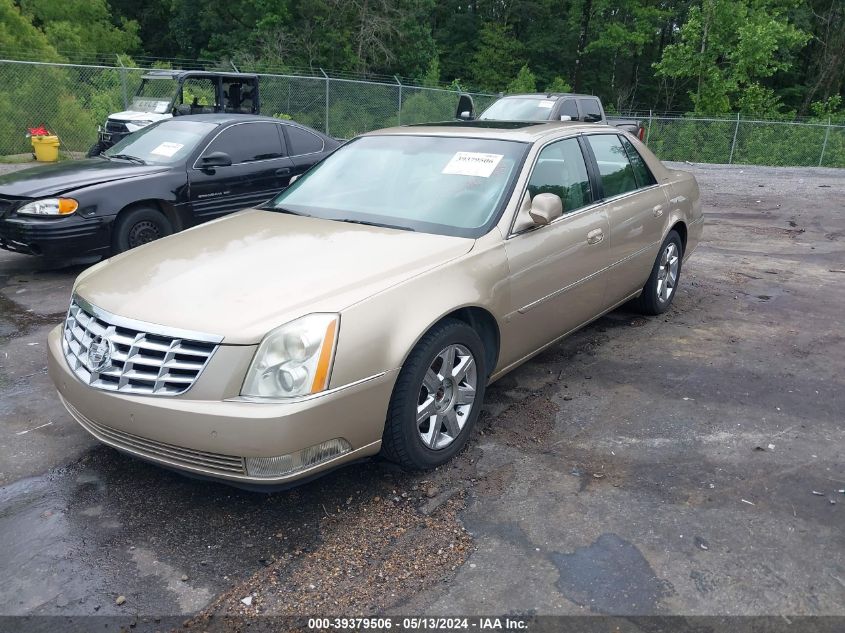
377,334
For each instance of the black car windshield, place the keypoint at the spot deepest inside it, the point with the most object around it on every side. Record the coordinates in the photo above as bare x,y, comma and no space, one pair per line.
519,109
162,143
434,184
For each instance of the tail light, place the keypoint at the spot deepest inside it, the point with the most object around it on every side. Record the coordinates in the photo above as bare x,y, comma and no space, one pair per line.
641,134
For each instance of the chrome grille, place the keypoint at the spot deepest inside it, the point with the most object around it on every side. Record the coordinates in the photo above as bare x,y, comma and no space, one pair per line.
129,360
161,451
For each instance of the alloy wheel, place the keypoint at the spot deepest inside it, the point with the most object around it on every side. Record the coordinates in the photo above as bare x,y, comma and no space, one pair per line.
446,397
667,273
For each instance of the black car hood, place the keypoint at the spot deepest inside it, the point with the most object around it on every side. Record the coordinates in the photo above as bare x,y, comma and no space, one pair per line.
59,178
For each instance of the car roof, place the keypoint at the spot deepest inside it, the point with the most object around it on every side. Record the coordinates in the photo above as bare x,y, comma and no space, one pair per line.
523,131
548,95
175,74
230,117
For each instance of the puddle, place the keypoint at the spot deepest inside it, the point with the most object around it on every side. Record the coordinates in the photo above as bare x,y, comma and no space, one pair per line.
611,576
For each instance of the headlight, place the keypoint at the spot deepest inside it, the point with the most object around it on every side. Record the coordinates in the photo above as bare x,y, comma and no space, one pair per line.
50,206
294,359
139,124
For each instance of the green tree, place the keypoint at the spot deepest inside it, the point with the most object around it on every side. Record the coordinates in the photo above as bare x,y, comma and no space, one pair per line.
525,81
559,84
726,46
498,58
80,27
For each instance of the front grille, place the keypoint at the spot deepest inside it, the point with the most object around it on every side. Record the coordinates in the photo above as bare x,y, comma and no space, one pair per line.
160,451
117,358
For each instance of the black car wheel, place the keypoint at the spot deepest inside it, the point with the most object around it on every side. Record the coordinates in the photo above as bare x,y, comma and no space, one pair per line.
139,226
96,149
437,397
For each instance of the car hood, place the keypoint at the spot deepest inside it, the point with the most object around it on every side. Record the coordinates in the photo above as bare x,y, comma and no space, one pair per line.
58,178
243,275
138,115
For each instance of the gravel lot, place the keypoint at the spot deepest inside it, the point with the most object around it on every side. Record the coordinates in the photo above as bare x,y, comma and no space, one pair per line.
643,466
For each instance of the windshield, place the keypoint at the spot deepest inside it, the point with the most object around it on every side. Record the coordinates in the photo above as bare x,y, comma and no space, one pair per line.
154,95
435,184
162,143
519,109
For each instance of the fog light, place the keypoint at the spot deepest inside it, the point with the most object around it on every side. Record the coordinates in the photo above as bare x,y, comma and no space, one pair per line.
271,467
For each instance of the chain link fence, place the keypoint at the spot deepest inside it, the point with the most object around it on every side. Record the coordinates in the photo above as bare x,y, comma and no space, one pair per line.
71,100
747,142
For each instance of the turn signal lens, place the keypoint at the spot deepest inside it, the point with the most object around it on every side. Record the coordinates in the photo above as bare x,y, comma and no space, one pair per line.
67,206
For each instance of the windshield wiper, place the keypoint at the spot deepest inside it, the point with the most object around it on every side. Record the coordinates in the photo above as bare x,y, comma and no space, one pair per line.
381,224
132,159
270,207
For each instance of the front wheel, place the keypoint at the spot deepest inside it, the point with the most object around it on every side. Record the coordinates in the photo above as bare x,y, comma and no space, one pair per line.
139,226
96,149
660,288
437,397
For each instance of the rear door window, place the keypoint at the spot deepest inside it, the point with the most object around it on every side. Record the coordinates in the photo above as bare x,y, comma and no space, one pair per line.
641,171
590,110
302,141
617,174
248,142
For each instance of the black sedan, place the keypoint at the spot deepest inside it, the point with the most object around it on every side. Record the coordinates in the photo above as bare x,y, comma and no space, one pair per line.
162,179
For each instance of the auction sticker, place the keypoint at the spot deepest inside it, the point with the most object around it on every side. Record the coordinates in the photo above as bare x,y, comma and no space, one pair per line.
472,164
545,103
167,148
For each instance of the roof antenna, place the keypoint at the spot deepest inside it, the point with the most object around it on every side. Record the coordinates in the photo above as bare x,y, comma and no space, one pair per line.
233,66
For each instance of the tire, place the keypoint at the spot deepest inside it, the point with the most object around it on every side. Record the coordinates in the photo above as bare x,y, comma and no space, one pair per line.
139,226
657,294
96,148
435,438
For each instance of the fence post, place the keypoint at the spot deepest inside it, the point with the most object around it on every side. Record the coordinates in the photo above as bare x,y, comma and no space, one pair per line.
399,111
123,82
733,144
327,101
824,145
648,132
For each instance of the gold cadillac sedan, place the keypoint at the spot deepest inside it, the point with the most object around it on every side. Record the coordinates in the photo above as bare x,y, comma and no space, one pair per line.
367,307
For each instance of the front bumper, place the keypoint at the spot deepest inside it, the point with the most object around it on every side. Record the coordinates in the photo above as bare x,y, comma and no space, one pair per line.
72,236
214,438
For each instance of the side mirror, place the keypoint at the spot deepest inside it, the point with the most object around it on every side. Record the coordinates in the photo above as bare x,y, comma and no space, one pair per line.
466,108
545,208
565,117
215,159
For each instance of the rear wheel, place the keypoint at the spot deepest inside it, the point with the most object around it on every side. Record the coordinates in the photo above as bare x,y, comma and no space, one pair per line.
660,288
139,226
437,397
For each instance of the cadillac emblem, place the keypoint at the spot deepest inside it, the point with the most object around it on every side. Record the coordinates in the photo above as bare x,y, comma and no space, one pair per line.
99,353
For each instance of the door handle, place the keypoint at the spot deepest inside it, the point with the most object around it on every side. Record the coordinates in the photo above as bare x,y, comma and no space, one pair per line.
657,210
284,171
595,236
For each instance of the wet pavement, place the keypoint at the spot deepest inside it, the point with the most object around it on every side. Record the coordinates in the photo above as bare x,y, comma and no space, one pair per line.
643,466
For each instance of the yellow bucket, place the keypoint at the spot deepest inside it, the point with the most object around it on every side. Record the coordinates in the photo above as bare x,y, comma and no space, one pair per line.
46,148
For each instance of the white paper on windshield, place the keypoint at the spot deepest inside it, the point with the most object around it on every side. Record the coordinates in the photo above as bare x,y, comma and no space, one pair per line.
472,164
545,103
161,107
167,149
